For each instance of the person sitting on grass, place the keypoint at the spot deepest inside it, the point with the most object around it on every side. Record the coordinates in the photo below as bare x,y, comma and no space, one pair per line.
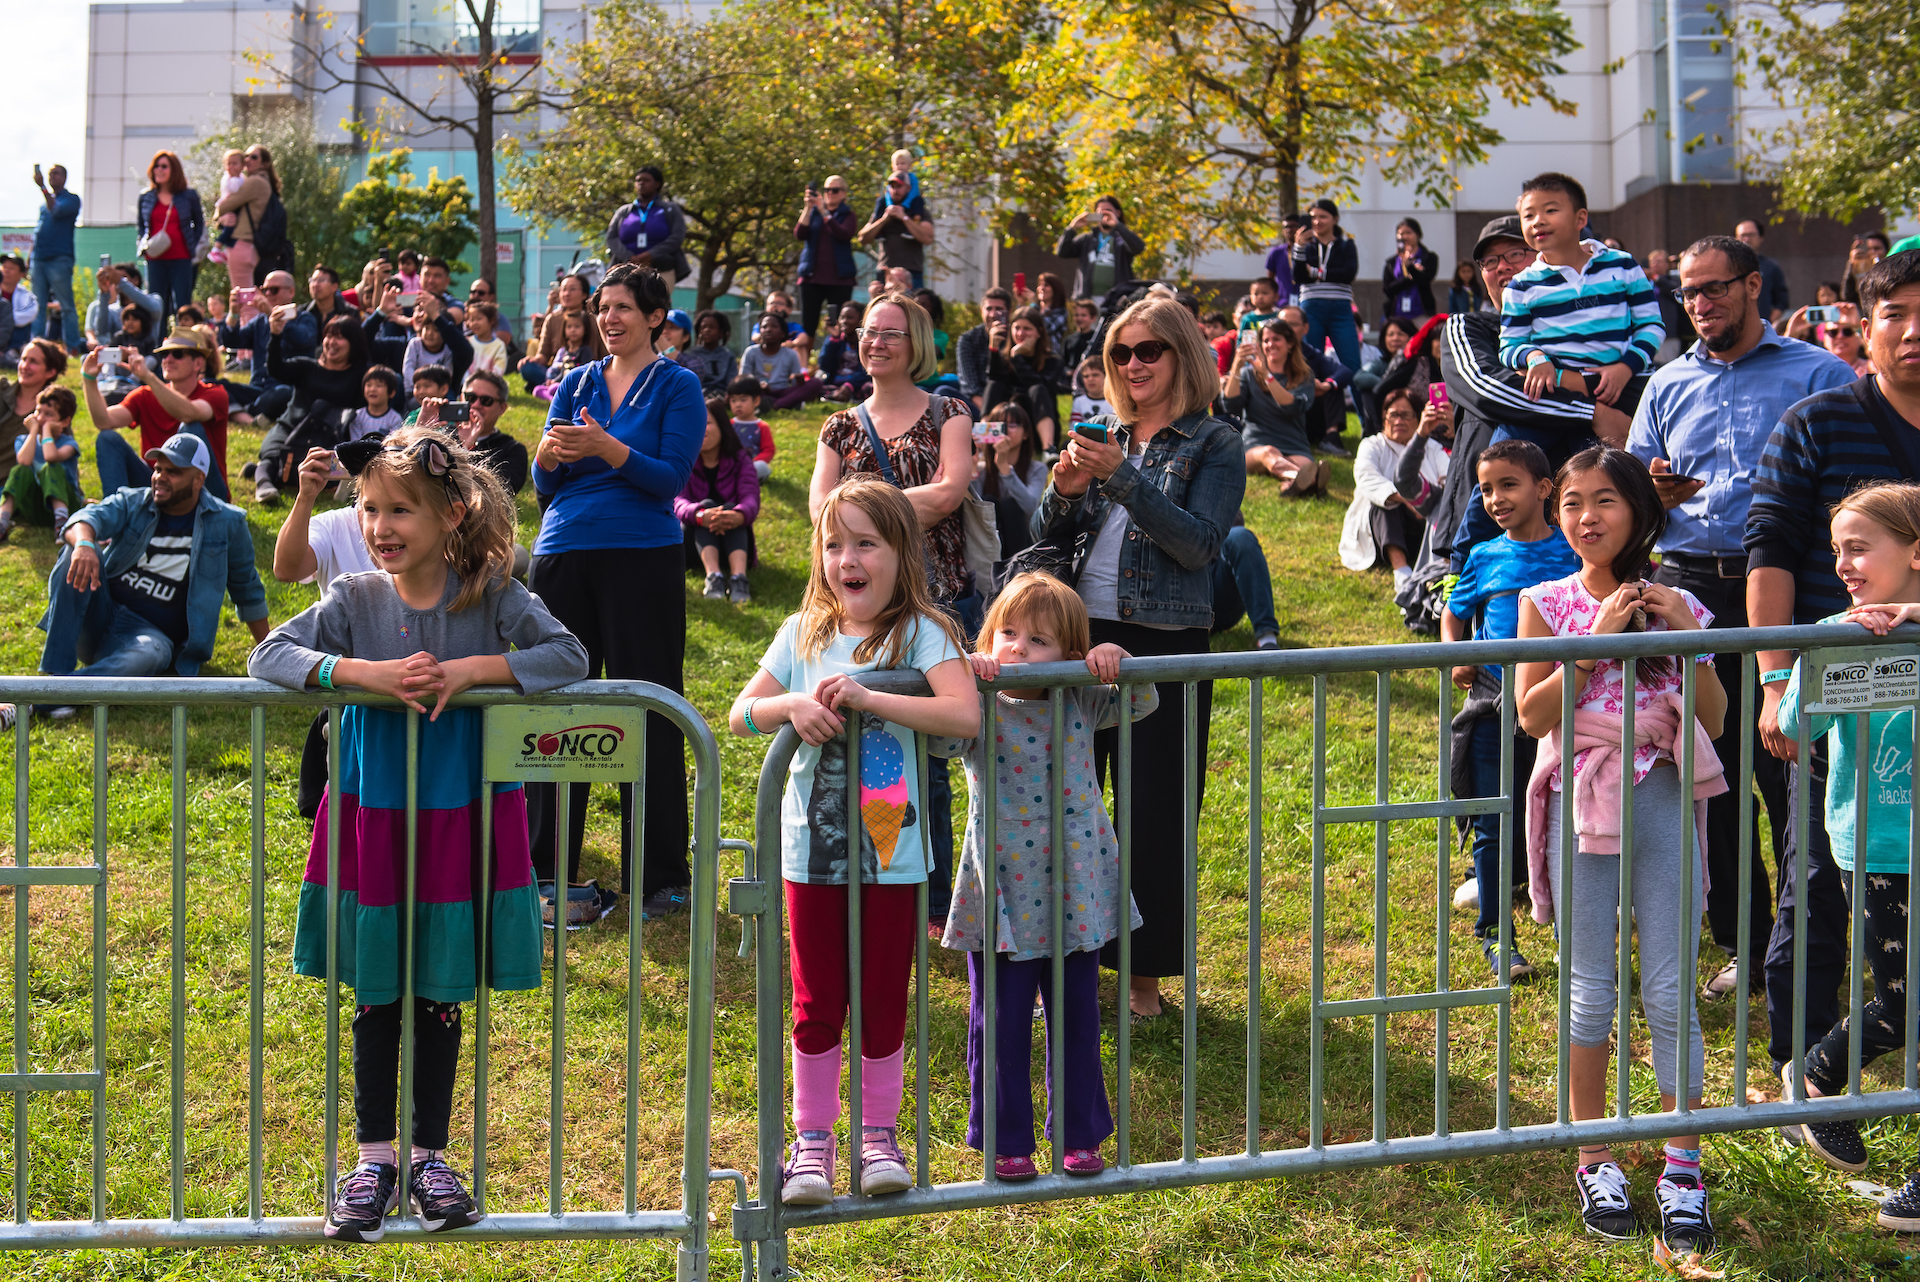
1516,484
718,505
1384,523
840,365
431,383
777,367
44,486
709,356
578,344
489,349
1271,385
381,389
755,433
179,399
1091,396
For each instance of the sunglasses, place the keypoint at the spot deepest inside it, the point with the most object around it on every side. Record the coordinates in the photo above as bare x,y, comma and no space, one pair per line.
1843,333
487,402
1149,352
833,189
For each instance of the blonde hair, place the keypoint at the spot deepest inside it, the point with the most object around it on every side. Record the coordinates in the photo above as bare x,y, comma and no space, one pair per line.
1196,380
923,357
1036,598
912,604
1892,505
480,548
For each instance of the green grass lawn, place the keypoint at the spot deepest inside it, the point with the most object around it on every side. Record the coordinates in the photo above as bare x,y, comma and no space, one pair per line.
1515,1217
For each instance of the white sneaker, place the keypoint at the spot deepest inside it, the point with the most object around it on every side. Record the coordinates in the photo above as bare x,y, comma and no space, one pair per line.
1467,898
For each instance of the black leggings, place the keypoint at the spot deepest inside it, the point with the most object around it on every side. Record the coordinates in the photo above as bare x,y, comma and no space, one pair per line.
1883,1013
376,1071
628,606
736,540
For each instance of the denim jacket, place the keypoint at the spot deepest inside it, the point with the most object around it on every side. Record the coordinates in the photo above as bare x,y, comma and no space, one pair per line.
1180,503
219,563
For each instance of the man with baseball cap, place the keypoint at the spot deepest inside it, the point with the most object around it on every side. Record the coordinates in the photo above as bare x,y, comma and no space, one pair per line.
179,398
137,589
18,309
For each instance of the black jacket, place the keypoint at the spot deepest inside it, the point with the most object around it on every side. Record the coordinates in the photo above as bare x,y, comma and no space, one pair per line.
1127,246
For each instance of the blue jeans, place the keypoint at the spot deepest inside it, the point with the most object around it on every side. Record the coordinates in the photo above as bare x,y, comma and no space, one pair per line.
116,641
121,466
172,280
1332,318
53,281
1242,584
1484,761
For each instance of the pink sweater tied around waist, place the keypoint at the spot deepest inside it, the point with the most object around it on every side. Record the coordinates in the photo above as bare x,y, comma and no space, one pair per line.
1596,786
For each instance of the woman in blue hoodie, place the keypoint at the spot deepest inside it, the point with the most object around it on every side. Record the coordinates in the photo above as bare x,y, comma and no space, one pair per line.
620,442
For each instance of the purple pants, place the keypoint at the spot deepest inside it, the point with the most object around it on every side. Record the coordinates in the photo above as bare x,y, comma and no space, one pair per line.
1088,1121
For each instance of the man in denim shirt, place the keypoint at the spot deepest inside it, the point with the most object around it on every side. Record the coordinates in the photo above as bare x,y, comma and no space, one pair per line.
1701,428
137,589
53,255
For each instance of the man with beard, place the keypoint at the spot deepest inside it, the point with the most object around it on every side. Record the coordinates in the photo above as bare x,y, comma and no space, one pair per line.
1701,428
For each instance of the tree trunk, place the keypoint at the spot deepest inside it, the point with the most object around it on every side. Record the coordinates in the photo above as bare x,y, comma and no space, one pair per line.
483,96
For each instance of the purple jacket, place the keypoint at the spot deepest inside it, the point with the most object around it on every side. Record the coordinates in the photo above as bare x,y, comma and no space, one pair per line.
737,486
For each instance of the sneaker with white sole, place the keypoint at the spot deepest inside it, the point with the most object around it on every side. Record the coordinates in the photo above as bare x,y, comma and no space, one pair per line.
8,715
739,591
1838,1144
716,587
441,1199
807,1179
1603,1201
586,904
361,1200
1518,967
1467,898
1727,979
883,1167
1685,1223
1901,1212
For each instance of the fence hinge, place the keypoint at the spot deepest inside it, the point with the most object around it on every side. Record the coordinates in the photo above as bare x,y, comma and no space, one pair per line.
746,897
752,1223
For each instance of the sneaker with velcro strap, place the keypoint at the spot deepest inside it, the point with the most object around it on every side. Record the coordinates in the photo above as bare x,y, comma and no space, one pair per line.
1685,1223
1603,1201
807,1179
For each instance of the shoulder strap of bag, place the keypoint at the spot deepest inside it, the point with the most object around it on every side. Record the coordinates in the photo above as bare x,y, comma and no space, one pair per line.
879,447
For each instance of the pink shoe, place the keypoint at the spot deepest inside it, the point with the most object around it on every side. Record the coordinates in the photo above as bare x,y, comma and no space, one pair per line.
1085,1161
1015,1168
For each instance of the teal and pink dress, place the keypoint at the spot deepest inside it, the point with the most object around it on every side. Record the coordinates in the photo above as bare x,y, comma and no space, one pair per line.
363,617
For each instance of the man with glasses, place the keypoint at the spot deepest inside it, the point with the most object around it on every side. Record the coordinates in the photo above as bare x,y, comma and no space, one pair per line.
1702,425
480,432
480,291
650,228
264,396
973,353
827,272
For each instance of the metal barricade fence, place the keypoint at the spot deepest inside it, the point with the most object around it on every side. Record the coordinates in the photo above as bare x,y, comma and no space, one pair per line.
765,1224
688,1223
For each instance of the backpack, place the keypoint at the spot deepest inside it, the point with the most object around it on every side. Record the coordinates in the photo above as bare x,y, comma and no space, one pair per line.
270,238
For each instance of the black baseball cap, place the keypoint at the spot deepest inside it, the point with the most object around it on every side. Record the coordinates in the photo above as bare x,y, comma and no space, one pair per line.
1505,227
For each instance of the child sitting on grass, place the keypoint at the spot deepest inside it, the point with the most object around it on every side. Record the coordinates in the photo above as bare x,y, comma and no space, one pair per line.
1039,619
1091,398
718,505
756,435
489,349
1516,484
44,485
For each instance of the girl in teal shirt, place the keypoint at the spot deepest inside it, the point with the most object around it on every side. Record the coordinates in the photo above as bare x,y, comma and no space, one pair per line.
1876,545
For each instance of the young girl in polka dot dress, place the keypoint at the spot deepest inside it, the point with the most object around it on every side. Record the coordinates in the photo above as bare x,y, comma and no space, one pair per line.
1039,619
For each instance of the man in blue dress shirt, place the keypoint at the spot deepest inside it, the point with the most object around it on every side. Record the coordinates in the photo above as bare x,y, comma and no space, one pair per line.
1701,427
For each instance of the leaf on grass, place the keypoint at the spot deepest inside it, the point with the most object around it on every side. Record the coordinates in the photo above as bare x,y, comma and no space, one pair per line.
1682,1266
1747,1230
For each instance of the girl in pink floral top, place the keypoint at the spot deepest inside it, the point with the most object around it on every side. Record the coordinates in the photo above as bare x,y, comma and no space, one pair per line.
1611,516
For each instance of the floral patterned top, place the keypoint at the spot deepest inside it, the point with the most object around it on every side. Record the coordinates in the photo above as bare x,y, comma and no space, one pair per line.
915,455
1022,758
1569,609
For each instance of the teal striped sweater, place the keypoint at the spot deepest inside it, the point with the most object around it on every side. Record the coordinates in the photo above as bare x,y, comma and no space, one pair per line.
1584,318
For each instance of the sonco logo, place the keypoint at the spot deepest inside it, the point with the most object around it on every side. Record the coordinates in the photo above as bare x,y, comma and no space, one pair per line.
588,742
1854,672
1898,667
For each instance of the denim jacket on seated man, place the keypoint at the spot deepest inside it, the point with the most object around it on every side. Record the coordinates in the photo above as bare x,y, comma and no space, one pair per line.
1180,502
220,563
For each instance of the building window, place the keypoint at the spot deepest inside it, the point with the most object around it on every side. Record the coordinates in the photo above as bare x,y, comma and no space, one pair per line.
1694,113
427,28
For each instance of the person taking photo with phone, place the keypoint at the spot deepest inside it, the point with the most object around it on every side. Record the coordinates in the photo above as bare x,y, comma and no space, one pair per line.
53,258
827,273
1105,246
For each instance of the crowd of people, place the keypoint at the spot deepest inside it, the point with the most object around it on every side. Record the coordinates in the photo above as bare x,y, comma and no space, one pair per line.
1581,442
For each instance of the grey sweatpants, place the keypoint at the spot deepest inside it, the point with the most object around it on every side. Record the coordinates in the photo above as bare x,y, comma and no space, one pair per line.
1589,913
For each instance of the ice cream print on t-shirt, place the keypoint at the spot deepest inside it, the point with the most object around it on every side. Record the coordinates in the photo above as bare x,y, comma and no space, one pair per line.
885,804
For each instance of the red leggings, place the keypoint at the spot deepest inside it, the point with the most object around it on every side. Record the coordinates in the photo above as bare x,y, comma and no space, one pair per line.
817,934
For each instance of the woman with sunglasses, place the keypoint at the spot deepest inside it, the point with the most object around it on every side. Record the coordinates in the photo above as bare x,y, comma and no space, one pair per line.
620,442
1842,338
1158,494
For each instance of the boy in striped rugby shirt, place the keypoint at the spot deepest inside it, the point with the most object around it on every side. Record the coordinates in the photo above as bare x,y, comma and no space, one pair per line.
1583,317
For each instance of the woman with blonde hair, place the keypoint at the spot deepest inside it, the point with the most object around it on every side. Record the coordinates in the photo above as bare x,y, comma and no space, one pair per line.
1157,490
170,224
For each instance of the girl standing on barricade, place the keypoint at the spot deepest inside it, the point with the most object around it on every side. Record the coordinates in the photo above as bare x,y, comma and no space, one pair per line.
442,614
1876,546
1039,619
1611,516
867,607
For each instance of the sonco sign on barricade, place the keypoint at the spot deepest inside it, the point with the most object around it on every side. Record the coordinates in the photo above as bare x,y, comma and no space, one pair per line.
564,742
1853,679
